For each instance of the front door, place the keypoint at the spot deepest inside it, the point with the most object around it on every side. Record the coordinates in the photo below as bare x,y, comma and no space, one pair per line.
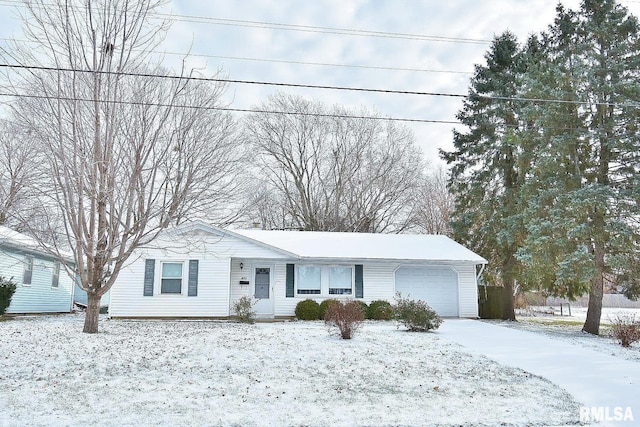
263,292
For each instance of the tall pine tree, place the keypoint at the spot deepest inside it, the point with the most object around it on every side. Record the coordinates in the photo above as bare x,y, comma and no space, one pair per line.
582,213
489,163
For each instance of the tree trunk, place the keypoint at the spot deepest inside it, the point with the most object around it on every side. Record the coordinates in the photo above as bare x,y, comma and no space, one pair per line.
594,312
92,313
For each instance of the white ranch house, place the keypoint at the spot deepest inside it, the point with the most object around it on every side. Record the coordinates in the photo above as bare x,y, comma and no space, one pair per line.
43,285
198,271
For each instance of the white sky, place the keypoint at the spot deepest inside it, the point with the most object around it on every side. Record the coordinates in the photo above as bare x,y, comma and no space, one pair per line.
470,19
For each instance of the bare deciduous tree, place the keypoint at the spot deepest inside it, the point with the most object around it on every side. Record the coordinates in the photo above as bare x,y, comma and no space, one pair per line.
333,169
434,204
19,169
128,154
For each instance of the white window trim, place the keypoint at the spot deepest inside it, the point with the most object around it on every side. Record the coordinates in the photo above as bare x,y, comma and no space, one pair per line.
324,281
158,282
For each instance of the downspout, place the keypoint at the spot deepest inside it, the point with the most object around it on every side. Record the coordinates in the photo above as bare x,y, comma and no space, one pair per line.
480,273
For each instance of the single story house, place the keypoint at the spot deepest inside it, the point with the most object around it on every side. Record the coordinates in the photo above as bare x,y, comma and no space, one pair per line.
43,284
198,271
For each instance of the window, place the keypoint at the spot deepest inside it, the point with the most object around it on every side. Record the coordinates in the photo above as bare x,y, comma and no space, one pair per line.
171,281
55,278
340,281
309,280
28,270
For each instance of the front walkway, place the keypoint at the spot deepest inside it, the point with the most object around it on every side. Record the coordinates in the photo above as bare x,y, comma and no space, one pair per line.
596,380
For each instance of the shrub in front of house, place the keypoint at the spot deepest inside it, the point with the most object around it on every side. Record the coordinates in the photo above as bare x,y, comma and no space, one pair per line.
308,310
243,308
7,289
346,316
626,329
380,310
415,315
324,305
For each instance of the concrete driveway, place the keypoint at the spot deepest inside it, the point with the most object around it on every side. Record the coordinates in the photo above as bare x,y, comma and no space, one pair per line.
607,386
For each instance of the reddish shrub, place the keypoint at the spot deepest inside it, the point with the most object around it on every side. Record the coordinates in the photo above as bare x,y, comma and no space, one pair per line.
626,328
347,316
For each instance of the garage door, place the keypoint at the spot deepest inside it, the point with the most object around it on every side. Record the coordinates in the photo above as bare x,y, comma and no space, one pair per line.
438,286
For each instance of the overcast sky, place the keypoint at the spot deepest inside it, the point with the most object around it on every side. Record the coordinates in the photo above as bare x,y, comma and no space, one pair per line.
218,34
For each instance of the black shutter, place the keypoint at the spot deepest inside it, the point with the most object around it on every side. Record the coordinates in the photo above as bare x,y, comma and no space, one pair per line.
359,282
290,280
193,278
149,272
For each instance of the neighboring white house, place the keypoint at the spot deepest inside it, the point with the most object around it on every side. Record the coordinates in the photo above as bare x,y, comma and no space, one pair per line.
43,284
198,271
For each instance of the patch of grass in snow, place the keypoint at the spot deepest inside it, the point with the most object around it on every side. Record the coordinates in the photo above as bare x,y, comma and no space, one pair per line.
551,321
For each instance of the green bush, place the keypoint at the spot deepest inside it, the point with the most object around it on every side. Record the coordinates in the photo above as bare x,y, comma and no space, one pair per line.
308,310
243,308
346,316
324,305
380,310
7,289
415,315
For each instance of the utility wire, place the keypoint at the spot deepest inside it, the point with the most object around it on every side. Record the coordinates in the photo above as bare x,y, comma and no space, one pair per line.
251,82
287,27
228,109
328,87
284,61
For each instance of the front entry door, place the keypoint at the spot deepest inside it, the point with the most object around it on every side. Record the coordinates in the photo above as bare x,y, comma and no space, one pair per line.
263,292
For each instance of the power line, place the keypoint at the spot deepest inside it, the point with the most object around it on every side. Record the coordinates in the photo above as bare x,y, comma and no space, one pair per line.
292,27
284,61
250,82
327,87
228,109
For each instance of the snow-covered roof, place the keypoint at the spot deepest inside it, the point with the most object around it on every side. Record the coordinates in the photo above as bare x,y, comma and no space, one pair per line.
10,237
14,239
333,245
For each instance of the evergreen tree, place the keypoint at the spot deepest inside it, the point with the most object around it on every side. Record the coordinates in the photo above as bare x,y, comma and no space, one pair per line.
582,214
490,160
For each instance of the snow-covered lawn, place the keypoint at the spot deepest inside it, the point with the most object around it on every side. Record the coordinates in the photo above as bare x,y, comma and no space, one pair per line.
293,373
569,329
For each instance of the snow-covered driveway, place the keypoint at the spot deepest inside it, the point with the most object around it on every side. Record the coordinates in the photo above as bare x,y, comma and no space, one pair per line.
594,378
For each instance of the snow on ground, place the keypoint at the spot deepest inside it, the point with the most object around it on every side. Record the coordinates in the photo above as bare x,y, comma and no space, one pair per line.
293,373
569,329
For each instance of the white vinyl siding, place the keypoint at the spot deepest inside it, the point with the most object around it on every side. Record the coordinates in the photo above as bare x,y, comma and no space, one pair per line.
379,284
221,280
216,283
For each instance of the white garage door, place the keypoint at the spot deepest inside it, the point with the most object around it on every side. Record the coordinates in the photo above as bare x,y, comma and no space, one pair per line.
438,286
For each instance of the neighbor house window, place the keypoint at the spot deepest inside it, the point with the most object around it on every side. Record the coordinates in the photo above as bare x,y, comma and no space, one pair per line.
340,281
28,270
309,280
171,281
55,278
